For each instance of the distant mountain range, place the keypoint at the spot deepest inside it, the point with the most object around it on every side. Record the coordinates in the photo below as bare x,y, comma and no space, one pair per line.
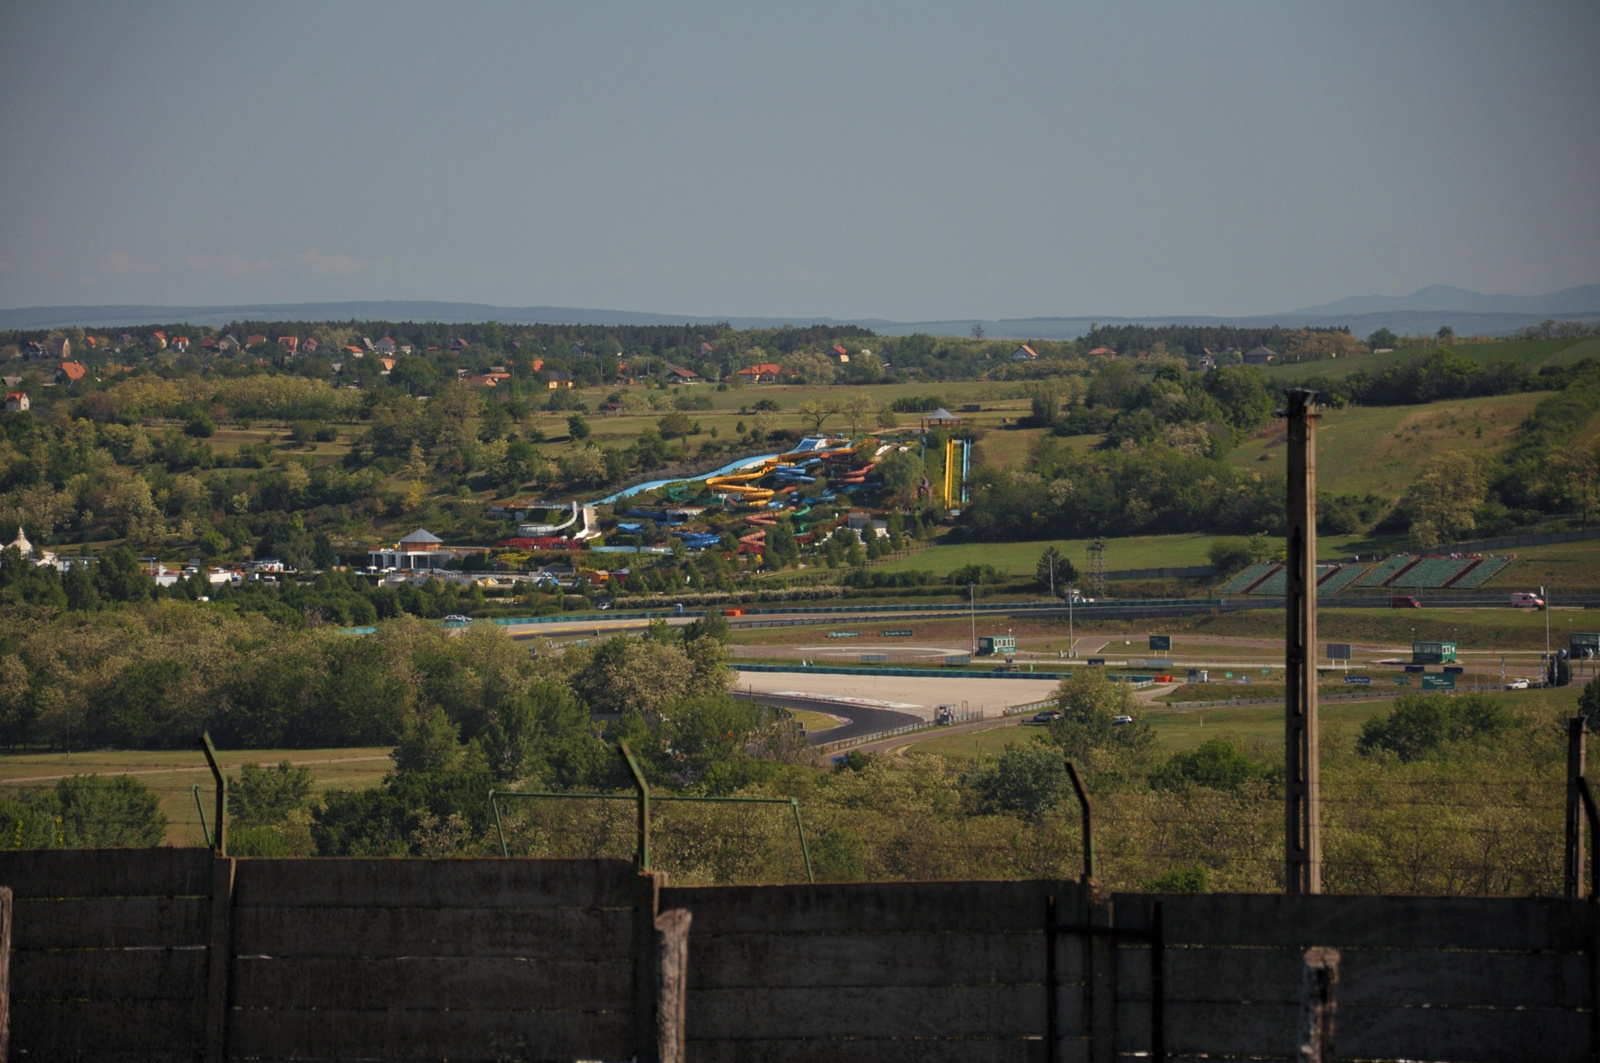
1425,310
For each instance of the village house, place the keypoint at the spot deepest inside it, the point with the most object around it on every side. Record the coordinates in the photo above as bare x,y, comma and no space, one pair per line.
384,346
227,343
555,379
839,354
12,383
1208,361
388,365
1260,356
1103,352
677,374
70,373
1024,354
17,401
158,340
255,340
208,344
290,344
706,350
179,343
458,345
309,345
765,373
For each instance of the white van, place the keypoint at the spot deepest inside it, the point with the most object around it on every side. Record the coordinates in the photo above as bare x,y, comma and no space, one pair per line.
1526,600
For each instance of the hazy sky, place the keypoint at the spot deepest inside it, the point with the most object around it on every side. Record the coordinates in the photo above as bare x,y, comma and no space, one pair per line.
909,161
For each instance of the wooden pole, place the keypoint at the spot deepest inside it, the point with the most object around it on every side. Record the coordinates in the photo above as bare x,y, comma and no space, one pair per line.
5,973
1572,864
1302,798
1319,1003
672,983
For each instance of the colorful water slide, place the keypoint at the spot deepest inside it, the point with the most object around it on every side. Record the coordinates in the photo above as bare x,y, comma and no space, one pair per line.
532,530
591,526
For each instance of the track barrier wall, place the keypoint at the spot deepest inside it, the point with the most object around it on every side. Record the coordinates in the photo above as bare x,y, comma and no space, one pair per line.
176,954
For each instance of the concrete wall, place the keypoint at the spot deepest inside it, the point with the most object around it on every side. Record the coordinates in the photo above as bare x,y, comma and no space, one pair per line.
167,954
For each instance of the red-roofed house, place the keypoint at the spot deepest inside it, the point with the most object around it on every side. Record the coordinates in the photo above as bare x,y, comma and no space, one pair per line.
384,346
706,350
208,344
309,345
1103,352
179,343
289,343
677,374
1024,354
158,340
488,380
255,340
353,349
459,344
70,372
387,363
17,400
765,373
839,354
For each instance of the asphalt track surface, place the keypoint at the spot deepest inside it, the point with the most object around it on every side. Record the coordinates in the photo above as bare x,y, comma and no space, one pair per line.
864,720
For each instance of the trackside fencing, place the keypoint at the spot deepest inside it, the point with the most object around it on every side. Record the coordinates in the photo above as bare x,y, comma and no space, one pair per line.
179,954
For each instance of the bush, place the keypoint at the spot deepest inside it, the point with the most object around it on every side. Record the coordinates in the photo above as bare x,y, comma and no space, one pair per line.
1422,724
1029,782
1215,764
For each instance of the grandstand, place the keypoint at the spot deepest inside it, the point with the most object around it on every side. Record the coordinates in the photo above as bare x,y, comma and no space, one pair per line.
1341,578
1431,573
1277,584
1486,569
1381,573
1248,578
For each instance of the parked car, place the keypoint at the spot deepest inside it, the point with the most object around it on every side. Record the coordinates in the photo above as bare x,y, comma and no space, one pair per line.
1526,600
1048,716
1118,721
1404,601
1517,684
457,618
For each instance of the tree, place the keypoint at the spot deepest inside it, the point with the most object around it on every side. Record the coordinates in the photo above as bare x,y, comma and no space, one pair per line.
674,425
1446,333
586,465
1589,703
101,812
1382,338
1090,702
901,471
1443,500
815,413
577,427
263,796
1054,573
855,410
1026,782
977,330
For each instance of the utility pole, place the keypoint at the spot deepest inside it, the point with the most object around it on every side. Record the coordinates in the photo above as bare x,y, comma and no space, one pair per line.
1302,791
1072,641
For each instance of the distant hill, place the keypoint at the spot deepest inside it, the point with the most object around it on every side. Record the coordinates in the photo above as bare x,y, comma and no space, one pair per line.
1423,311
1584,299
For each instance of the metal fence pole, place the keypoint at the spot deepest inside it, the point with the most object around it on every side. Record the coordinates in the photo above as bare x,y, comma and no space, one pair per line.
1088,824
217,838
642,857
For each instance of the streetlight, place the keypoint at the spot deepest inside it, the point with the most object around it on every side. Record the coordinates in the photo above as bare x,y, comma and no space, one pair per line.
1072,642
972,591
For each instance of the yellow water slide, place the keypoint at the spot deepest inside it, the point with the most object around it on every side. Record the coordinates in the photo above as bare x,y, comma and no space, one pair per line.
740,483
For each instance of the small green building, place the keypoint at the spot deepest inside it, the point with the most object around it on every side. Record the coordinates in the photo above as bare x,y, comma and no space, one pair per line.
1433,653
993,645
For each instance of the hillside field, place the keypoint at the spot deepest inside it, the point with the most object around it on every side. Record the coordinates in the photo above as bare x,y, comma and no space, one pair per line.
1534,353
1381,449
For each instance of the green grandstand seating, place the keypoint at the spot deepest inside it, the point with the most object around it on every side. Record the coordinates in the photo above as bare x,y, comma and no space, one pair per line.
1277,584
1384,569
1341,579
1249,576
1432,572
1486,571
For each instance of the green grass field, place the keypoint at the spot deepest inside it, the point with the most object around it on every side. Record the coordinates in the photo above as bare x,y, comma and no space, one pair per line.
1145,551
171,774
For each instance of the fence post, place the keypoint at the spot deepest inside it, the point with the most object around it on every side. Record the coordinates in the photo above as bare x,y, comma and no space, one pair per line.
641,857
1572,864
5,972
1319,993
672,982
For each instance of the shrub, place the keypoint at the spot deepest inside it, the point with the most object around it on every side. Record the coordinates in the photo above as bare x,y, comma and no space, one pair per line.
1424,723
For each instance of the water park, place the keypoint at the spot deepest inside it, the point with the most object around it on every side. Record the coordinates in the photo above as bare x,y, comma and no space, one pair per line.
817,485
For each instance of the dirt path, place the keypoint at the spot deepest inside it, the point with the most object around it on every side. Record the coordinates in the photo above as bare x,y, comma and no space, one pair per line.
202,768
